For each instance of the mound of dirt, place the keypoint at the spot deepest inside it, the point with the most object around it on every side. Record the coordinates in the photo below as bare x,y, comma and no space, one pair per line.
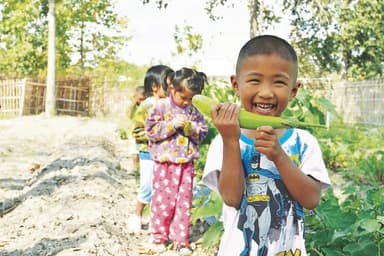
67,188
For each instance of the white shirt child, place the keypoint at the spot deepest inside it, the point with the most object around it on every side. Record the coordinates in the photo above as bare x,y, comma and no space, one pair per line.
269,221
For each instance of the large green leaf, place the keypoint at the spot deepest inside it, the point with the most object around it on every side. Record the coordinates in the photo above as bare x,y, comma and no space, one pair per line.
370,225
211,208
212,236
364,246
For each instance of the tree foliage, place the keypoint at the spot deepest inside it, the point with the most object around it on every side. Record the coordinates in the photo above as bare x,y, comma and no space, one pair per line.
92,29
332,37
187,42
85,29
23,27
342,38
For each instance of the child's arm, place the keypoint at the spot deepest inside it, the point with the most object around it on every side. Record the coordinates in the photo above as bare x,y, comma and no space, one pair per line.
198,129
231,180
157,126
305,189
138,120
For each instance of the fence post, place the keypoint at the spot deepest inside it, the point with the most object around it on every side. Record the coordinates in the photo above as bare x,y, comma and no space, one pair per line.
328,119
22,96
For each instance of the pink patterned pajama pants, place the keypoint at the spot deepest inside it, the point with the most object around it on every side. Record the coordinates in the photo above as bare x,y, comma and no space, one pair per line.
171,202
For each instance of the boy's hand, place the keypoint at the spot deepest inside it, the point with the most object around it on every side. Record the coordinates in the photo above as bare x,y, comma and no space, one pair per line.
225,117
267,142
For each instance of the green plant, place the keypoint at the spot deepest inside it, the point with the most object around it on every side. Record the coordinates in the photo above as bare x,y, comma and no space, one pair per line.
207,205
124,128
207,208
351,223
373,165
307,108
353,227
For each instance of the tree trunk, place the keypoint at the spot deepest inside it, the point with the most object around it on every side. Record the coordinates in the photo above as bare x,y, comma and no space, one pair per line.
256,15
344,65
50,97
252,7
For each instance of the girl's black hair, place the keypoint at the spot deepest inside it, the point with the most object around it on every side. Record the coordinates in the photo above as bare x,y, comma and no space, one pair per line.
165,74
195,80
155,76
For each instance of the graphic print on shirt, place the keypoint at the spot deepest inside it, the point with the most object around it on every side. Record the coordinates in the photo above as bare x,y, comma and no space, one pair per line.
266,203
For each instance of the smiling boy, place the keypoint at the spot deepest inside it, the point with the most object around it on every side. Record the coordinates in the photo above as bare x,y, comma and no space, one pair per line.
266,176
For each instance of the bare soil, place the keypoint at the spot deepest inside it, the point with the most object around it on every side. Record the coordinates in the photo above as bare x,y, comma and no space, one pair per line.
67,187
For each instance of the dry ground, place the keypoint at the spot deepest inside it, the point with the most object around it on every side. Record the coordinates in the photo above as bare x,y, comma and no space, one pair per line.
67,188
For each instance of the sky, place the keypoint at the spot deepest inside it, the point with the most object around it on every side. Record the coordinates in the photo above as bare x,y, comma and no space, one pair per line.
152,32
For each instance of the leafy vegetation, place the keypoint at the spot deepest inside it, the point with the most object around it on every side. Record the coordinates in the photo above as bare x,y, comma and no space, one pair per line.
87,33
339,38
334,39
350,219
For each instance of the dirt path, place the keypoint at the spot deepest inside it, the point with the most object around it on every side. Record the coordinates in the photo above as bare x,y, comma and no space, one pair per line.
67,188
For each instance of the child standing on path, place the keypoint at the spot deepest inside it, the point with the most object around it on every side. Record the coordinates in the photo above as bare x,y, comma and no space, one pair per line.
175,128
265,176
137,99
155,87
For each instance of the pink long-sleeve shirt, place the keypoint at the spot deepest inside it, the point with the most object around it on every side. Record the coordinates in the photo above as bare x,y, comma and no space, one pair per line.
167,144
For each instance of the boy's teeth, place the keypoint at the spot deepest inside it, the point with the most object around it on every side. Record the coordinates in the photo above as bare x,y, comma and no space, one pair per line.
264,105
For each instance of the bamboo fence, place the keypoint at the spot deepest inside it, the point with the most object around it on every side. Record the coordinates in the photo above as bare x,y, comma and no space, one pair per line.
12,97
27,97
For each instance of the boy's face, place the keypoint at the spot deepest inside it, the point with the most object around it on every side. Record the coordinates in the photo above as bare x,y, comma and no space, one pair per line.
139,98
265,84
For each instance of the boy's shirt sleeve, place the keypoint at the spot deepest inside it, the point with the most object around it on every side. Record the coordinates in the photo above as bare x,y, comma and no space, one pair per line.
138,119
312,160
213,164
141,113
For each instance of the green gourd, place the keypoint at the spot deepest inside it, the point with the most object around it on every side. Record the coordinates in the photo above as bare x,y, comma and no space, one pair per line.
249,120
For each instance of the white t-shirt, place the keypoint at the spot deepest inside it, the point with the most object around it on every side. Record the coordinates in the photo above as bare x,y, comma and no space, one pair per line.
269,221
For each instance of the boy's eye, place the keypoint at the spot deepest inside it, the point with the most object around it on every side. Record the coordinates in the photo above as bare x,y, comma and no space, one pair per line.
254,81
280,83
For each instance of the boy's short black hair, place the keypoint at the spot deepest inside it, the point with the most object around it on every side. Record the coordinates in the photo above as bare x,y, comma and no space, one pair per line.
267,44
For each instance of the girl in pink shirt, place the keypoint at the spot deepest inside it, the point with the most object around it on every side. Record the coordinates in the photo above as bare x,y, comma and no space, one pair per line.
175,128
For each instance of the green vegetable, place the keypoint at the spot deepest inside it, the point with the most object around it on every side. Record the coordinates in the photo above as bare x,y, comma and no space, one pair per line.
251,120
187,128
